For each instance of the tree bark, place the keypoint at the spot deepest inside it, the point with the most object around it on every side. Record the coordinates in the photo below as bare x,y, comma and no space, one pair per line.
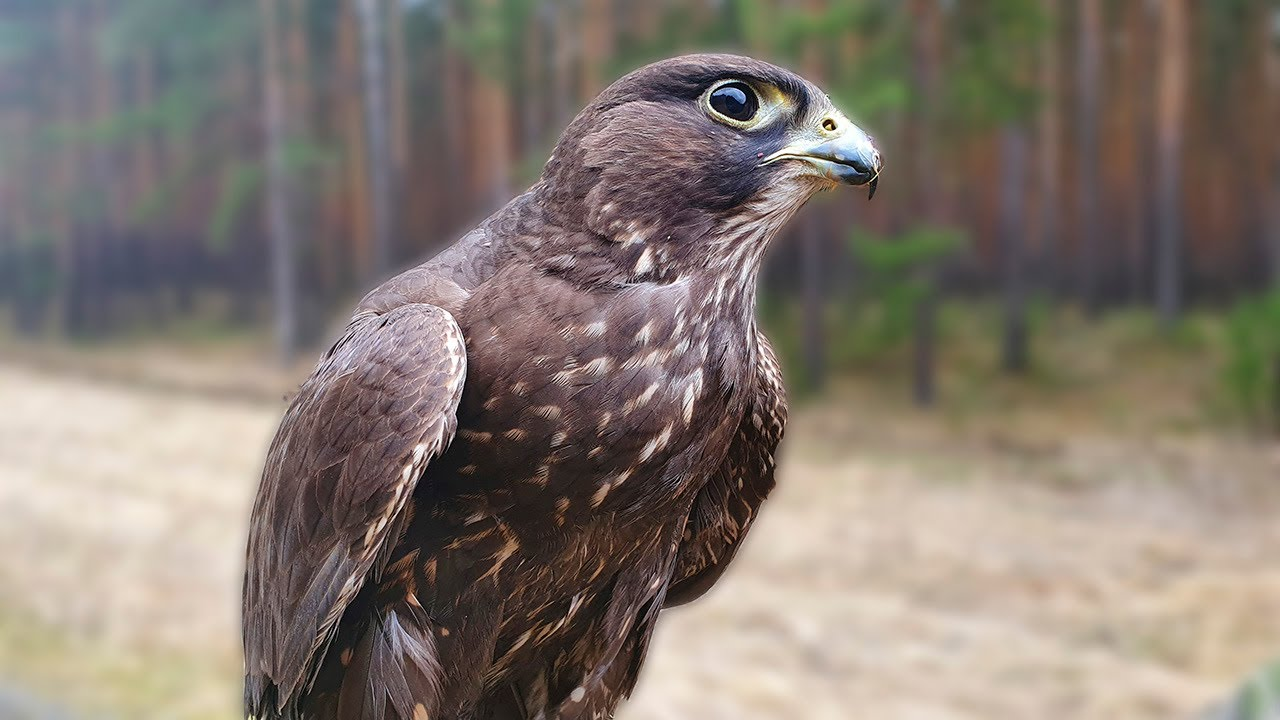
377,127
597,45
145,174
454,110
104,236
926,48
1088,112
401,115
66,226
280,223
398,75
1049,165
1271,60
924,372
358,242
564,39
491,134
1013,152
1171,103
1142,215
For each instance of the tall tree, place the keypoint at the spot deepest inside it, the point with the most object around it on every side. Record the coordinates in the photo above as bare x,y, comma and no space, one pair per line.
377,128
1014,142
489,128
926,62
1088,115
354,143
1140,98
1049,148
398,79
67,226
1171,103
597,45
284,268
1271,60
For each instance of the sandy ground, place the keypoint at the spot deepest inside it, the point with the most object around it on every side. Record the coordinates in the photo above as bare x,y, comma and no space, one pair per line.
905,569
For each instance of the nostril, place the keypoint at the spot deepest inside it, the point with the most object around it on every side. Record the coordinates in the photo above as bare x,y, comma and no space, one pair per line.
829,125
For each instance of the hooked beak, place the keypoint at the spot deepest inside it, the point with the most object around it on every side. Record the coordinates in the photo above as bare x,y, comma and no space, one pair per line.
838,151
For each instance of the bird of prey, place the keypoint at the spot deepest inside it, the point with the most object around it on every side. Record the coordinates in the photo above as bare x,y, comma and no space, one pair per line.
519,452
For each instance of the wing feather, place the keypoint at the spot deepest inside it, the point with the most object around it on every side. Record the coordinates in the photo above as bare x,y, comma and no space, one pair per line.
347,456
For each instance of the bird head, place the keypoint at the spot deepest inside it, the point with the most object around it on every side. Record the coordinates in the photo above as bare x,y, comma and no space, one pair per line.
687,146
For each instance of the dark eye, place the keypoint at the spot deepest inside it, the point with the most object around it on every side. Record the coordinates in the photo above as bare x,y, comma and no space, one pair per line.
736,101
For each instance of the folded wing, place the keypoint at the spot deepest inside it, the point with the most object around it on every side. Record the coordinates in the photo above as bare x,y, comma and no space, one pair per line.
380,405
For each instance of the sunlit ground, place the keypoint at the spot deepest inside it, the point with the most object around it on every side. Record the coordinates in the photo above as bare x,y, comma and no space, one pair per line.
1094,542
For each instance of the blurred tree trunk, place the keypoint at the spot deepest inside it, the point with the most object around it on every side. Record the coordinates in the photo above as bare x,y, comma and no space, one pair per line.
66,225
328,236
18,268
1141,51
279,190
104,269
597,46
377,126
242,132
926,50
313,234
456,135
533,84
564,40
491,132
1270,28
1013,153
1089,162
297,73
10,208
358,243
1049,131
398,77
1172,97
146,172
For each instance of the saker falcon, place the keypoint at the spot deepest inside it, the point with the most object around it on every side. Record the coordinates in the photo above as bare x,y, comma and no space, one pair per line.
522,450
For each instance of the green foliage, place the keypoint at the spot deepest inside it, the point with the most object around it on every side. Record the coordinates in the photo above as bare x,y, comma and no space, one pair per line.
237,188
1252,375
895,274
15,41
1227,25
990,79
490,34
241,181
179,111
194,37
1258,699
39,277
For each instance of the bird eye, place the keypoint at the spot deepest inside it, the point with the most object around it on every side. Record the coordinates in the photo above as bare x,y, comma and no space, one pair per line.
735,100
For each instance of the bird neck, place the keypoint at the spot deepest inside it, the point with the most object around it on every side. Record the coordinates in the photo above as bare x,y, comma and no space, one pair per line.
606,247
717,254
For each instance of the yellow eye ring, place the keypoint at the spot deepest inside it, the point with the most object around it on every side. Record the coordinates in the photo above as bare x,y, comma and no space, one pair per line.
741,104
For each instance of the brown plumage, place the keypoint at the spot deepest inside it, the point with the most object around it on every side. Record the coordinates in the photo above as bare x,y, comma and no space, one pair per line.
522,450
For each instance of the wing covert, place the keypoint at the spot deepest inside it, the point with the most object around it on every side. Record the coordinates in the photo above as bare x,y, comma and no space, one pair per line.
378,407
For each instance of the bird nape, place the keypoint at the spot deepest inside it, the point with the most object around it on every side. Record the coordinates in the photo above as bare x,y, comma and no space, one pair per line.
521,451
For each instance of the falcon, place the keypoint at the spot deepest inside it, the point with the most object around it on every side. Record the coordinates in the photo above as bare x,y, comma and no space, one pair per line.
519,452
